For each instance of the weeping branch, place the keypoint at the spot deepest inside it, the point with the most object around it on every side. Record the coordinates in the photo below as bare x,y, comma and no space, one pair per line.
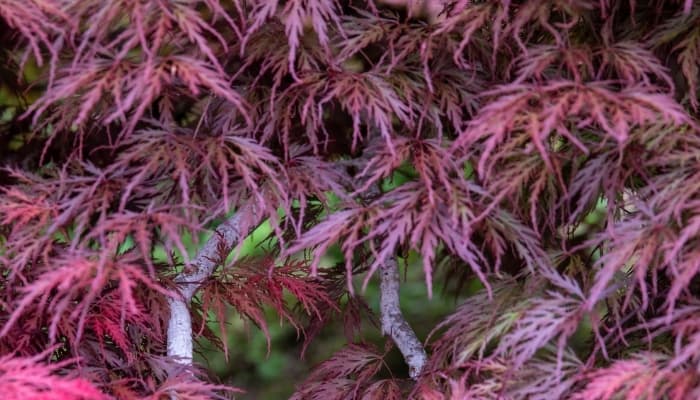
225,238
393,322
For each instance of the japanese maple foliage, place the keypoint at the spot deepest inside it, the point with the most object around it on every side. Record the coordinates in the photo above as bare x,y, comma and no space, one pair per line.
546,151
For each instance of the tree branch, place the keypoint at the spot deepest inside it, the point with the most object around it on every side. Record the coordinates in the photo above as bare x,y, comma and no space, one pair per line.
225,238
393,322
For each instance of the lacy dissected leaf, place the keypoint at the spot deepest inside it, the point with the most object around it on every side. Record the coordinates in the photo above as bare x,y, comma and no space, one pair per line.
211,167
186,388
45,213
345,308
540,110
683,34
121,83
309,180
40,22
554,316
32,378
543,152
297,15
478,323
644,376
344,374
552,375
346,225
112,324
656,235
255,284
385,389
367,97
65,292
422,215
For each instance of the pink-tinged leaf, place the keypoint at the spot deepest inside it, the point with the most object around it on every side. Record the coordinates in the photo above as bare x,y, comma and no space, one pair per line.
545,154
551,376
39,21
368,98
643,376
33,378
255,284
539,110
343,375
546,319
345,226
307,179
354,360
478,323
297,14
683,33
337,388
186,388
386,389
467,20
78,280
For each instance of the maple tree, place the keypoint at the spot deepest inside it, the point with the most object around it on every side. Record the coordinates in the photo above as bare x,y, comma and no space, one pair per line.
545,151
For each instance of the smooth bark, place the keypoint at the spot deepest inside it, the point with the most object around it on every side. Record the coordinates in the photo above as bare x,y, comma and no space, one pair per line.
393,322
225,238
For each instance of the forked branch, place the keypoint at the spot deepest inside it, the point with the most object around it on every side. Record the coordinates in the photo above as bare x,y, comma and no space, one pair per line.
393,322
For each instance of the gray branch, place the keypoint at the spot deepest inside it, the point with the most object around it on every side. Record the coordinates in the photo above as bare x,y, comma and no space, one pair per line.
393,322
224,239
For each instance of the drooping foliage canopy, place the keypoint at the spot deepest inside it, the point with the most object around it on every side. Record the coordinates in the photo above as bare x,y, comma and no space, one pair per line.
548,150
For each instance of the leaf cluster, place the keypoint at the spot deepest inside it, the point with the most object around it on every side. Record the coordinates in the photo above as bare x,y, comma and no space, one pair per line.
545,149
